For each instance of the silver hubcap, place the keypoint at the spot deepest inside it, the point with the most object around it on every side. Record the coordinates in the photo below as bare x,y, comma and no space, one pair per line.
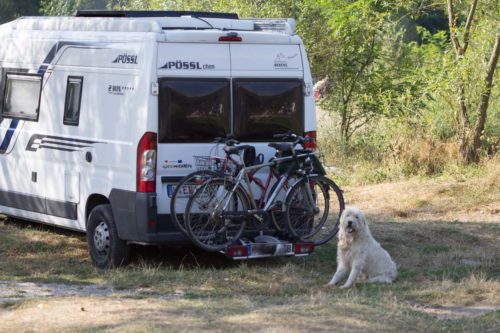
101,237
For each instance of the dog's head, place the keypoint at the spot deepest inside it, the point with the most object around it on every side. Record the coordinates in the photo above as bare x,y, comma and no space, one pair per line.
353,222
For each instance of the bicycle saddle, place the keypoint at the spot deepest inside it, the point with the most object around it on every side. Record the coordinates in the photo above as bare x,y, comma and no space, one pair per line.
281,146
236,149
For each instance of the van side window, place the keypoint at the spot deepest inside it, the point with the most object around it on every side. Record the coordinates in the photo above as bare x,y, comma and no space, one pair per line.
193,110
73,100
22,96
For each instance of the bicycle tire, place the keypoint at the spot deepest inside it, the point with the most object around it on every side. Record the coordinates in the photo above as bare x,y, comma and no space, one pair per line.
205,224
179,202
277,214
316,223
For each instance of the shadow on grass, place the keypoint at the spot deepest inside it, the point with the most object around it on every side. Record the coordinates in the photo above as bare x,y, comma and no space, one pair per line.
39,252
424,251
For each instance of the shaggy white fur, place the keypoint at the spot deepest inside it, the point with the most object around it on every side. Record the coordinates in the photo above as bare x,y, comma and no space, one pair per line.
359,253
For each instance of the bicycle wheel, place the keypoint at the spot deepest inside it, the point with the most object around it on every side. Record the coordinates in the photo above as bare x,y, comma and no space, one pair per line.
183,191
313,208
277,213
215,217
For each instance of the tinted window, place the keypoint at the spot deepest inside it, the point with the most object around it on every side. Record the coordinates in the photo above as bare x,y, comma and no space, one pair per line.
22,96
73,100
266,107
193,110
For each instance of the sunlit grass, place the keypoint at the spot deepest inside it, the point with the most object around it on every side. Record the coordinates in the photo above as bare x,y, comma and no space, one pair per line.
446,250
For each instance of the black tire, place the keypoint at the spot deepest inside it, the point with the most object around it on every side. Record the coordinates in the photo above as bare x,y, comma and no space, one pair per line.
317,223
178,202
206,226
106,249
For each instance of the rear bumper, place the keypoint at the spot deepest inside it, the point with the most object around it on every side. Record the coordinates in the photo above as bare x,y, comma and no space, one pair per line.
137,220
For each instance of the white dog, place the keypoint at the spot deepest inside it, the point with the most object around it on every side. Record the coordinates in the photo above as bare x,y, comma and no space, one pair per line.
359,253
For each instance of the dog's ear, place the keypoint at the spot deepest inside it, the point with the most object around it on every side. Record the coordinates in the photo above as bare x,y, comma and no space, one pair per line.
361,217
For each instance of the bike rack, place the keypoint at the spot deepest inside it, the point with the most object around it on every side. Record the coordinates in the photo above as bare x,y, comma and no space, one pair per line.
267,246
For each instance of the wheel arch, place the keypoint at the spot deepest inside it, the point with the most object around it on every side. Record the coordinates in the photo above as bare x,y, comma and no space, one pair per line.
93,201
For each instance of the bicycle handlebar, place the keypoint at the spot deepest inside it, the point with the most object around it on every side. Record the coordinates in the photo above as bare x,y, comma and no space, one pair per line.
297,138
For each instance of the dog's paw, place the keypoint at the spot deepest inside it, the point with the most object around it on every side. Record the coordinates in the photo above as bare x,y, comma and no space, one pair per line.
345,286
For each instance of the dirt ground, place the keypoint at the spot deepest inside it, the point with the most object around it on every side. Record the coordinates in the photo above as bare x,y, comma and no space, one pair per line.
64,307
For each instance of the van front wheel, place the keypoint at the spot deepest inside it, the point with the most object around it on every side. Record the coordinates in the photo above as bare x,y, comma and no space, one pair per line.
106,249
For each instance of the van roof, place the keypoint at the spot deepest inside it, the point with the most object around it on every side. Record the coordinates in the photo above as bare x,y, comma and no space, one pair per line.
153,21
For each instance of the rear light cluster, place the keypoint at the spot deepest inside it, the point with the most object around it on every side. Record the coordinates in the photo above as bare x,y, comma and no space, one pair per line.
311,145
236,251
304,248
146,163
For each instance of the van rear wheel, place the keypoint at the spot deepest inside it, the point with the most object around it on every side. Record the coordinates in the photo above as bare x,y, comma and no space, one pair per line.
106,249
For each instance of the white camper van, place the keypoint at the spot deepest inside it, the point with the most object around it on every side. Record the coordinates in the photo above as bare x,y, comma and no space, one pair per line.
102,113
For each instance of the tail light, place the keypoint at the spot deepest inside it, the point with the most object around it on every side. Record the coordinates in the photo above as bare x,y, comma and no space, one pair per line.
304,248
312,144
146,163
237,251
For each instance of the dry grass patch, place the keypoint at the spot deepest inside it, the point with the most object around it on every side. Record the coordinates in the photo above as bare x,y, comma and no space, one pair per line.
446,250
446,198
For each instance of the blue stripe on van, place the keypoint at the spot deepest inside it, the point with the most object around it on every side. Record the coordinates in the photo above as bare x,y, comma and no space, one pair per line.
8,136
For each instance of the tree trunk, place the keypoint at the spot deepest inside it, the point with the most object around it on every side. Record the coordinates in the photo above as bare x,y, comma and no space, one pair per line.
463,121
344,124
470,153
470,138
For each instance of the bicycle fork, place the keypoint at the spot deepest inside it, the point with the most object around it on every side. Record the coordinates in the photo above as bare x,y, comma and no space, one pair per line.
310,196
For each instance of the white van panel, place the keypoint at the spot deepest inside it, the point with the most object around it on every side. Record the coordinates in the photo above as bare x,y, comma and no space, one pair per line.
200,60
72,188
99,55
273,58
21,50
174,162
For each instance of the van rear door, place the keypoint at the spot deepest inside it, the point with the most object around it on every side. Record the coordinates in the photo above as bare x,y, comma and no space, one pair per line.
268,95
194,108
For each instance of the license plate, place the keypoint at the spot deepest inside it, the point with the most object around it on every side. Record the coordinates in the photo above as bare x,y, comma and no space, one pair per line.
185,192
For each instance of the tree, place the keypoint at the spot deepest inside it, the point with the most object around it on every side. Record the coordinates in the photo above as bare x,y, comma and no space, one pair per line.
64,7
362,50
12,9
470,134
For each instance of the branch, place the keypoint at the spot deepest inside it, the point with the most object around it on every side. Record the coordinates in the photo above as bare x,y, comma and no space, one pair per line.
361,70
358,126
468,25
485,96
453,28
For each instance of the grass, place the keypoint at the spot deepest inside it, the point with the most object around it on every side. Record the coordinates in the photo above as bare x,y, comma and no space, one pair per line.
444,241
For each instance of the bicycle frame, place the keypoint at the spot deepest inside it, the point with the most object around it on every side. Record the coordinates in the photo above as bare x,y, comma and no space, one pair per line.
246,174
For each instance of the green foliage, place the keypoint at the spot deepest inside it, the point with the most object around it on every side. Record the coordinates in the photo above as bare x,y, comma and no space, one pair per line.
391,101
64,7
12,9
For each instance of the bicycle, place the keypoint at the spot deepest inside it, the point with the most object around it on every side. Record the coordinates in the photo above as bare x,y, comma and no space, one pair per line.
217,213
212,166
207,167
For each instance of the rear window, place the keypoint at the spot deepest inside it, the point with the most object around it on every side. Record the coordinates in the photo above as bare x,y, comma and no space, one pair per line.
263,107
193,110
